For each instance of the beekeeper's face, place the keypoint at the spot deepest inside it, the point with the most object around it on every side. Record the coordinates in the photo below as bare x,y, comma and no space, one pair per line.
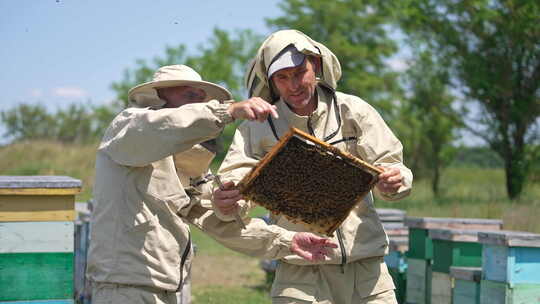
181,95
296,85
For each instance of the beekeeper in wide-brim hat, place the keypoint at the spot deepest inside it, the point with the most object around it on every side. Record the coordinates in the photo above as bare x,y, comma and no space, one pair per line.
146,94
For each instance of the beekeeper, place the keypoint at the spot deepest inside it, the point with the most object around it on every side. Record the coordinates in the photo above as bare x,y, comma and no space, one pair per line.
299,76
151,176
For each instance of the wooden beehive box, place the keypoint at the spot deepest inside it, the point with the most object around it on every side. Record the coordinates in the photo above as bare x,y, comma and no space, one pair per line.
36,238
421,245
455,247
466,284
309,182
511,256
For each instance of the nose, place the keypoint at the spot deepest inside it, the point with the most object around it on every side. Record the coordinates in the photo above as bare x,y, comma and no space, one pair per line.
294,83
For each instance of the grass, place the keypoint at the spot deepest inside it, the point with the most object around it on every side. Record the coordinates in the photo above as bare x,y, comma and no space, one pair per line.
473,193
51,158
223,276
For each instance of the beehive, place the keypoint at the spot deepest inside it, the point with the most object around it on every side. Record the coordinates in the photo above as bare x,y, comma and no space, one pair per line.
36,238
309,182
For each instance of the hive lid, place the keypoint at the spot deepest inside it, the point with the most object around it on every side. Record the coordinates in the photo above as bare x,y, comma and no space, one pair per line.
459,235
38,181
391,215
309,182
510,238
453,223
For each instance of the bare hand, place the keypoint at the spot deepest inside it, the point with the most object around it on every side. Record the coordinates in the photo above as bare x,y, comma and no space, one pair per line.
390,180
310,246
254,108
226,198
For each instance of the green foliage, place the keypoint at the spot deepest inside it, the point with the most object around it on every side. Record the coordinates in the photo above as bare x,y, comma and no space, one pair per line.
477,157
222,60
428,122
357,32
28,122
494,56
77,123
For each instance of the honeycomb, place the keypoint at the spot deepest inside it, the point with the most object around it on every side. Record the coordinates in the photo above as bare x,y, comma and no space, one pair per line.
309,182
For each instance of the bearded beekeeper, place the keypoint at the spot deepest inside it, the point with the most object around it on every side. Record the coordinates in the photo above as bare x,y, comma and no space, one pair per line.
152,179
299,76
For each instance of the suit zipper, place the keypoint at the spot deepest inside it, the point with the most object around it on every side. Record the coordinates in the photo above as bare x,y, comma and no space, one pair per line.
342,247
183,261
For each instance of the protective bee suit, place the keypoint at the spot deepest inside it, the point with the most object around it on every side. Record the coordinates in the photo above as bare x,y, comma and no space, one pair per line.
354,272
151,177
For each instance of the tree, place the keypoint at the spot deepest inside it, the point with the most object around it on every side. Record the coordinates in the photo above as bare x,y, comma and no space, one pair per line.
430,117
493,49
77,123
28,122
221,60
357,32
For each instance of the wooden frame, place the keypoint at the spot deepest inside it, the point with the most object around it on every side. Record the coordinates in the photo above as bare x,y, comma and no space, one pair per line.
300,169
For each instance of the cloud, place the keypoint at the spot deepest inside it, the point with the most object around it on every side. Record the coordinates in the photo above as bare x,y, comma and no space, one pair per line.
36,93
69,92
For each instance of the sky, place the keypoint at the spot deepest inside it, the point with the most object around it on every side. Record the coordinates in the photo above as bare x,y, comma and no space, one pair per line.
57,52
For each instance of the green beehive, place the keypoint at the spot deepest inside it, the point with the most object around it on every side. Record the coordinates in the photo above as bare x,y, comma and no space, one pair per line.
421,245
455,247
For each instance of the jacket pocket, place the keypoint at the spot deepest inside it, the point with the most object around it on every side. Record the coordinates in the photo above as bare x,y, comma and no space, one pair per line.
148,251
297,282
372,277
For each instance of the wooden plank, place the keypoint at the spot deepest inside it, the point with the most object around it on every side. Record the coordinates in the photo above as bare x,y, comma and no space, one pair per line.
452,223
510,238
38,181
465,292
461,235
511,264
466,273
19,237
390,215
40,191
398,243
33,208
441,288
418,281
67,301
502,293
36,276
395,229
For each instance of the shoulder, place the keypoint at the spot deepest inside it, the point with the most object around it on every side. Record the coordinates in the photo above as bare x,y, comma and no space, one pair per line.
354,105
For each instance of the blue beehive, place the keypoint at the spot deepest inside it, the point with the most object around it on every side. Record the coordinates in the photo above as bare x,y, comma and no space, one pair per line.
511,256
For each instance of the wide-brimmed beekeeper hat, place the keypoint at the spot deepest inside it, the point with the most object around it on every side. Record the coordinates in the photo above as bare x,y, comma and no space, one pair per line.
146,95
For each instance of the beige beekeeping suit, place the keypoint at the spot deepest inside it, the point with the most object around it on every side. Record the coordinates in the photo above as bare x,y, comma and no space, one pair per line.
143,201
354,272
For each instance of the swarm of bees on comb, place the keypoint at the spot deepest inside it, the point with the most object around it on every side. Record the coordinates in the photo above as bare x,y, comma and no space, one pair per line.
309,182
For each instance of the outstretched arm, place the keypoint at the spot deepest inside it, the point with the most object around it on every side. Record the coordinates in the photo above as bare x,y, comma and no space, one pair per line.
260,239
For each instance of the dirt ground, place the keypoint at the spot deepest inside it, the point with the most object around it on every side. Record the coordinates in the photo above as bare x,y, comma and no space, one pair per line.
226,270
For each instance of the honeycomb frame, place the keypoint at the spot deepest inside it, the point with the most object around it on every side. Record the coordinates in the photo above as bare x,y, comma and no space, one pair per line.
309,182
